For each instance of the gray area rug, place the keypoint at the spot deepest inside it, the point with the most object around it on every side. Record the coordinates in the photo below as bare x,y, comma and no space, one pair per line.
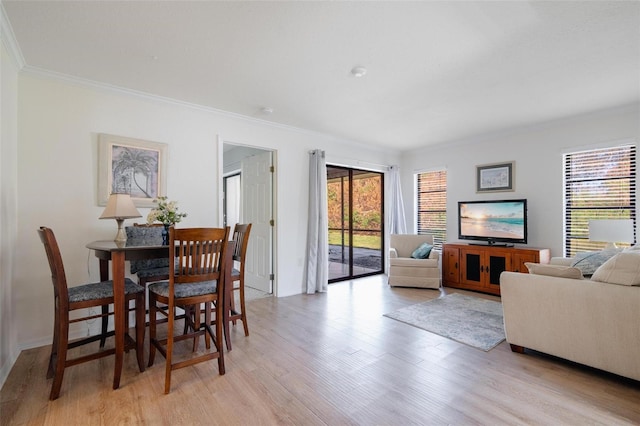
466,319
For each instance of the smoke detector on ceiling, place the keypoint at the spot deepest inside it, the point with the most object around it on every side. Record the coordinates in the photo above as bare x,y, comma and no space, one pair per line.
358,71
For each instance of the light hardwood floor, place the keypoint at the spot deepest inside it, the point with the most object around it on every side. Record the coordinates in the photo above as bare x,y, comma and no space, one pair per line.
330,359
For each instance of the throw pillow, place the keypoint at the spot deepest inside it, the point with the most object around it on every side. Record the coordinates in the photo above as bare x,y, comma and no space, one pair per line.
554,270
623,268
589,261
422,252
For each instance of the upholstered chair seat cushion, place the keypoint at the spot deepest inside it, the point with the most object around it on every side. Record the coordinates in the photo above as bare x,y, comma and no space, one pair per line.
100,290
153,272
146,236
161,288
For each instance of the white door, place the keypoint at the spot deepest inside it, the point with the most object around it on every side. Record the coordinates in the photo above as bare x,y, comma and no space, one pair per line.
257,189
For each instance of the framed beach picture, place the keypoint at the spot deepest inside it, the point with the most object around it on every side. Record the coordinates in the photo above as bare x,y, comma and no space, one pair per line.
495,177
132,166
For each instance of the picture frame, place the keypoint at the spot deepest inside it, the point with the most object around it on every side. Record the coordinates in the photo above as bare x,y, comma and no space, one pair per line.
133,166
495,177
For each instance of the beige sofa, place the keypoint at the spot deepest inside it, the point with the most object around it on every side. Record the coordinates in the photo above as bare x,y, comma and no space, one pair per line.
589,322
404,271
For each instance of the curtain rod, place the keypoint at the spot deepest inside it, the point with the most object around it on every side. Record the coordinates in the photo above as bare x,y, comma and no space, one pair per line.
360,162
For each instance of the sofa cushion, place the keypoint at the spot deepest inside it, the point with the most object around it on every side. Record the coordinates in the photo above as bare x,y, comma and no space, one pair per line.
422,252
623,268
416,263
589,261
554,270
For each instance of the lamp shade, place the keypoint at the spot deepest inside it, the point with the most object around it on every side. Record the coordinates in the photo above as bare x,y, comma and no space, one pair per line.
611,230
120,206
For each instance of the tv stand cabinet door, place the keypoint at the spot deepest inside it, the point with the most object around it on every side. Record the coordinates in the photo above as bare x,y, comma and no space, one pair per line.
471,267
450,265
480,268
497,262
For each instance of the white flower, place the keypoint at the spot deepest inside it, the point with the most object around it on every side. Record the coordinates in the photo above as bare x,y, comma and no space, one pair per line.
166,212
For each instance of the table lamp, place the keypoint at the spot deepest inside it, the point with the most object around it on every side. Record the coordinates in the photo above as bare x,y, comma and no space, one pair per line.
611,231
120,207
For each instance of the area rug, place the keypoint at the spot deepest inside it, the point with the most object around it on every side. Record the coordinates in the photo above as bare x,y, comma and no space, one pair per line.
466,319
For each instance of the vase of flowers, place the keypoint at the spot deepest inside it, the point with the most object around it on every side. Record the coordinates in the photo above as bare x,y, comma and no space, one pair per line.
166,213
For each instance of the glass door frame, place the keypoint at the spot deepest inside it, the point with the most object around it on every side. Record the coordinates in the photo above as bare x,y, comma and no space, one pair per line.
349,229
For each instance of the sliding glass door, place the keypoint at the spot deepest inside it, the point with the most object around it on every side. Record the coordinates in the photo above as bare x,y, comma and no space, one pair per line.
356,217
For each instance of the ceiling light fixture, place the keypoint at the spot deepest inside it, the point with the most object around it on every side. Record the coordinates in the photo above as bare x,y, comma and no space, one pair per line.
267,110
358,71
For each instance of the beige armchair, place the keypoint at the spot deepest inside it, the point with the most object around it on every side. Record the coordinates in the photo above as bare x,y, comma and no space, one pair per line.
405,271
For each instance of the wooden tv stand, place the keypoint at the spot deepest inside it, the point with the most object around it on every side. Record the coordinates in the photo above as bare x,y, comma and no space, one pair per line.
478,267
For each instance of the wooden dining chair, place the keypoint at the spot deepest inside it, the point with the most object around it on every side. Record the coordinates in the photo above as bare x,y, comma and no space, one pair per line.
236,275
241,238
147,270
67,299
196,279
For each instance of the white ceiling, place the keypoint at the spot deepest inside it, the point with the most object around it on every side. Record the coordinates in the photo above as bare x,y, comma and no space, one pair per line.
437,70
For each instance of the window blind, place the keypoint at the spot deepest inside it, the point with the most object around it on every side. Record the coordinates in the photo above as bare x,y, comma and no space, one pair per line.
432,205
599,184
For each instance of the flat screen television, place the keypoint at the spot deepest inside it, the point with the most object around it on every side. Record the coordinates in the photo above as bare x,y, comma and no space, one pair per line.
496,222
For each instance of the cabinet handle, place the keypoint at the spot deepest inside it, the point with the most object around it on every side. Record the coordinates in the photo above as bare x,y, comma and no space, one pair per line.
456,265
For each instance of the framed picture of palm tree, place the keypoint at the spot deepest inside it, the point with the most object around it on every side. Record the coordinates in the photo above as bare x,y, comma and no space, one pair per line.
133,166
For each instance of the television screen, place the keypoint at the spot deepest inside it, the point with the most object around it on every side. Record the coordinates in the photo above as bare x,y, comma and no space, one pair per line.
493,221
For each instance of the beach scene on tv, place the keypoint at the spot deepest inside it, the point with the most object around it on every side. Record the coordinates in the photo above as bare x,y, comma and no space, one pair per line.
501,220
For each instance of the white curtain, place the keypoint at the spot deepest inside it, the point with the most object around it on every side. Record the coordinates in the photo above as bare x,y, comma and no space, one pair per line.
317,270
397,222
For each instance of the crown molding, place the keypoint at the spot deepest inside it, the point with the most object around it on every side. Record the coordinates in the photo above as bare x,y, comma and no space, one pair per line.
109,88
9,39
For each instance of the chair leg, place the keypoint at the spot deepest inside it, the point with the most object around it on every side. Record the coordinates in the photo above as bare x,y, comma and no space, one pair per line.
140,328
105,324
171,312
225,326
188,313
218,339
243,310
196,326
233,302
54,347
153,311
207,320
60,358
127,307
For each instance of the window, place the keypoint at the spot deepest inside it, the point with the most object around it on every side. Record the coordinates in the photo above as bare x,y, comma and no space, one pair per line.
432,205
599,184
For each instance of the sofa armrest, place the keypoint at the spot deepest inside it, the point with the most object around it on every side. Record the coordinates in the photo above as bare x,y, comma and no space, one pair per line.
585,321
393,253
435,254
563,261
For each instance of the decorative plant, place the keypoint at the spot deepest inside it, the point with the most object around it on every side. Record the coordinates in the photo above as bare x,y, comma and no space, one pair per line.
166,212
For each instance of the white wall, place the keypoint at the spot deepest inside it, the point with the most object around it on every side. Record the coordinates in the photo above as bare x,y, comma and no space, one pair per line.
57,180
8,204
537,152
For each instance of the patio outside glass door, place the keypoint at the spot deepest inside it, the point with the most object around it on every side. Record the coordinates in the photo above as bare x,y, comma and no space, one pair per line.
355,211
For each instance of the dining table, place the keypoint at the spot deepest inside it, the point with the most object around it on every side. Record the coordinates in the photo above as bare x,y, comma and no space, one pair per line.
118,253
